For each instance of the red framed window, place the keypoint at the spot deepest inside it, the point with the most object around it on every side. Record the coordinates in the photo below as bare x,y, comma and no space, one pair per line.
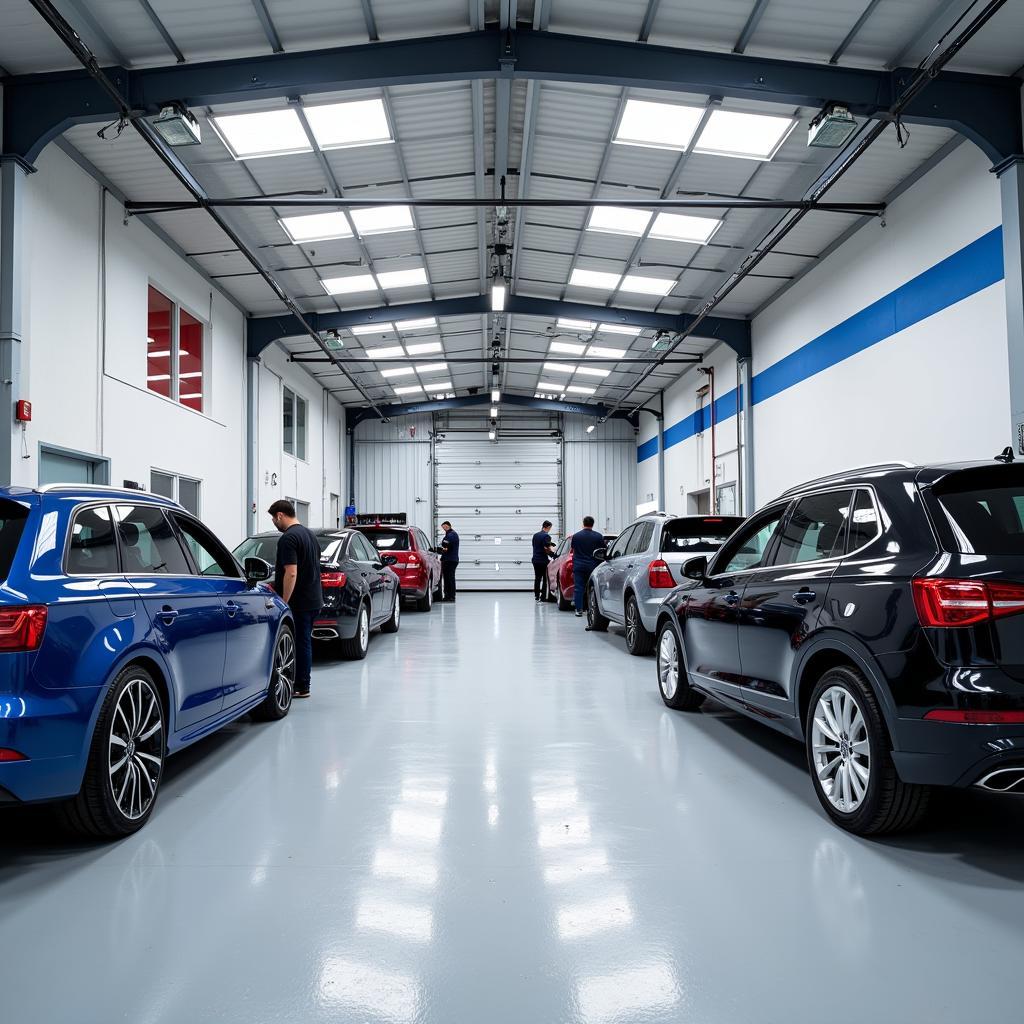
174,352
159,344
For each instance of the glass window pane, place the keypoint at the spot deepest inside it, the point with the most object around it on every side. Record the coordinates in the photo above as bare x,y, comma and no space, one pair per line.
190,361
159,348
288,425
619,547
162,484
300,428
816,529
640,540
864,524
93,548
148,543
210,555
747,550
188,495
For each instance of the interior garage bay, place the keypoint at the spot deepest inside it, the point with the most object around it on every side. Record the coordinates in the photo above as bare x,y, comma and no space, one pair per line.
511,510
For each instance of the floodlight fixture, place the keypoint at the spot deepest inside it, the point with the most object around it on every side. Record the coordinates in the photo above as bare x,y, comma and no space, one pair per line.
176,126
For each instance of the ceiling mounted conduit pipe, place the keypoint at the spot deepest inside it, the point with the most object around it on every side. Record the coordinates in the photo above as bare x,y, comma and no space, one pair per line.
200,199
709,372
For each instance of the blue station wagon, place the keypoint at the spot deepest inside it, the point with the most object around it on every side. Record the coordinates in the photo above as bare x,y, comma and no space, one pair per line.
127,631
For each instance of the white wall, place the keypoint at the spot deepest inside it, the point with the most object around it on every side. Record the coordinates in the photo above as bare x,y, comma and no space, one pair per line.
599,474
87,383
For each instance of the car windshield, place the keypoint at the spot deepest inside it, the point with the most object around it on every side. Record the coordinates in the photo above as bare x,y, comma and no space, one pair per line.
12,525
257,547
687,536
984,519
388,540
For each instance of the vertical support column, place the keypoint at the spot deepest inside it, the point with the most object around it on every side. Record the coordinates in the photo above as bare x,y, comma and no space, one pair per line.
252,444
661,457
745,409
1011,185
12,193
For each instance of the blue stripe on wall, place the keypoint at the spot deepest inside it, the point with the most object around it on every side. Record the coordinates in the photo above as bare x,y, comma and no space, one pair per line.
966,272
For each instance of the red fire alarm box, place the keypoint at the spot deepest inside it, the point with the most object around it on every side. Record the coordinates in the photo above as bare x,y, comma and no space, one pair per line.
23,412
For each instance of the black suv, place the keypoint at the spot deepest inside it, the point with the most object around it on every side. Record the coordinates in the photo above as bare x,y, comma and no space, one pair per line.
877,615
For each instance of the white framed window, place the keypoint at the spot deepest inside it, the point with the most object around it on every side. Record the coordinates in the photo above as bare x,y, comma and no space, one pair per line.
301,510
175,352
185,490
295,417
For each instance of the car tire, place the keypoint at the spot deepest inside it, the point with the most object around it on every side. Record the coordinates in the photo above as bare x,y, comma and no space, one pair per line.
281,688
119,790
391,626
355,647
639,639
596,622
564,603
849,755
426,602
673,679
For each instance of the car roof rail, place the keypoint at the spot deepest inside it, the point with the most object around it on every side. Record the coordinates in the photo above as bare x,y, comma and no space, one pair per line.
107,489
879,467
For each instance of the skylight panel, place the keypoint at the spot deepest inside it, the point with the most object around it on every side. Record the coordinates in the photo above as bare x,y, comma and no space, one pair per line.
353,123
606,353
425,349
409,389
403,278
372,329
598,279
445,385
571,348
262,133
677,227
658,125
381,220
643,285
350,284
392,352
398,371
620,329
407,326
433,367
585,326
316,227
593,371
578,389
619,220
560,367
547,386
749,136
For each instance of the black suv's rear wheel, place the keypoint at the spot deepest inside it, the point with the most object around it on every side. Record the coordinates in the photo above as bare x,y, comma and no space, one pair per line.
850,758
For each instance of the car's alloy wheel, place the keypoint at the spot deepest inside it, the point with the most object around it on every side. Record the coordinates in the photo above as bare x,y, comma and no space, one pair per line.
668,665
135,748
596,622
841,749
364,630
284,672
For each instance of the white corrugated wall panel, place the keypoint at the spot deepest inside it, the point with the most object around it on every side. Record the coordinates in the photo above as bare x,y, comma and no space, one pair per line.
393,468
600,474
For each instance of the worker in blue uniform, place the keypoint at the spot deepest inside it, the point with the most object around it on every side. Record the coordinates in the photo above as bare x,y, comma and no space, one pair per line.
449,560
584,543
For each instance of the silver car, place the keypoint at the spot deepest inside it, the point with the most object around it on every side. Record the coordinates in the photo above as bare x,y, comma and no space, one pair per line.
642,567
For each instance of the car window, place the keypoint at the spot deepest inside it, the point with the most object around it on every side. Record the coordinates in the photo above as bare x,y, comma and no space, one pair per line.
619,547
563,547
981,510
696,535
258,547
361,549
864,523
148,544
93,547
816,529
209,554
641,538
746,551
12,526
388,540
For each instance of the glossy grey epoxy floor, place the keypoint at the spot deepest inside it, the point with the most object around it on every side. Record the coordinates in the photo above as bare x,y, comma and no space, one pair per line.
494,819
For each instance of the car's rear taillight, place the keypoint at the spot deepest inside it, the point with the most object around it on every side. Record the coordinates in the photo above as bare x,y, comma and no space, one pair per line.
21,629
975,717
333,579
7,755
412,559
942,602
659,575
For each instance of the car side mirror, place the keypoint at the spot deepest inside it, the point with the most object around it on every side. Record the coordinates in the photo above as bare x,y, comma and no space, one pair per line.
601,554
696,568
389,559
257,571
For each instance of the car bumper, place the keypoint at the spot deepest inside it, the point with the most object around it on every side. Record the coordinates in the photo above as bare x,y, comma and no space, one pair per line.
334,627
947,754
650,609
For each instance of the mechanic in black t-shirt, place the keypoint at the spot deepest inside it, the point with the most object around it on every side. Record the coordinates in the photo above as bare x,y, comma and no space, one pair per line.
297,580
543,545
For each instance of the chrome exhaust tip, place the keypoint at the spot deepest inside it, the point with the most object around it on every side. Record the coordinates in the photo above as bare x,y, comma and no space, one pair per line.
320,633
1004,780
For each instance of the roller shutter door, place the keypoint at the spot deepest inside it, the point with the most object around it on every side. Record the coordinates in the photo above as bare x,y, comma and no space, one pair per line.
496,496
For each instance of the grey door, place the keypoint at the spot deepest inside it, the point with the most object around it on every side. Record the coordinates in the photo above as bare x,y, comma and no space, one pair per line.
62,468
614,574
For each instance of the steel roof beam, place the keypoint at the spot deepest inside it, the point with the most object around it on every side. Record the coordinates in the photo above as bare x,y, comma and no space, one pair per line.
267,25
852,34
984,108
164,34
754,19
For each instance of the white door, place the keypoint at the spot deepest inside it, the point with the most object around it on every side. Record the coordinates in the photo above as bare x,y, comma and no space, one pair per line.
496,496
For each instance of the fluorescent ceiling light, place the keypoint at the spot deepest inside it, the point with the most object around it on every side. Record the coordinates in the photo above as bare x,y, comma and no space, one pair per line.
381,220
424,349
495,395
372,329
545,386
609,353
494,411
403,278
647,285
263,133
575,325
398,371
158,355
659,125
316,227
433,367
407,326
677,227
390,352
499,292
184,397
578,389
490,435
594,279
349,284
593,371
620,329
590,429
619,220
194,373
560,367
751,136
159,376
569,347
444,385
409,389
354,123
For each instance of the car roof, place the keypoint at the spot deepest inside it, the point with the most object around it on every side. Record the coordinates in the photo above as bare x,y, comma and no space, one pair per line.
317,531
87,492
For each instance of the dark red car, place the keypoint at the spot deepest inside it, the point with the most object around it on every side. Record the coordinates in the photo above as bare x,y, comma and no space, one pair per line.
417,567
560,581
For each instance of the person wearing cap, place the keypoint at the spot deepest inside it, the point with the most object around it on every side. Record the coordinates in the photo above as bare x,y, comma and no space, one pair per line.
543,545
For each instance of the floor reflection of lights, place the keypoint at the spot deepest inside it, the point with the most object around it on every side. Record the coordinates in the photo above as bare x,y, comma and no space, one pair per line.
584,918
405,866
413,826
577,866
430,796
403,919
564,831
628,994
556,799
365,989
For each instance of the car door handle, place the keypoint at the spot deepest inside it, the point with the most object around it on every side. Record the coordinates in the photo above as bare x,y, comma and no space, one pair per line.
804,595
732,598
268,604
231,608
168,614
